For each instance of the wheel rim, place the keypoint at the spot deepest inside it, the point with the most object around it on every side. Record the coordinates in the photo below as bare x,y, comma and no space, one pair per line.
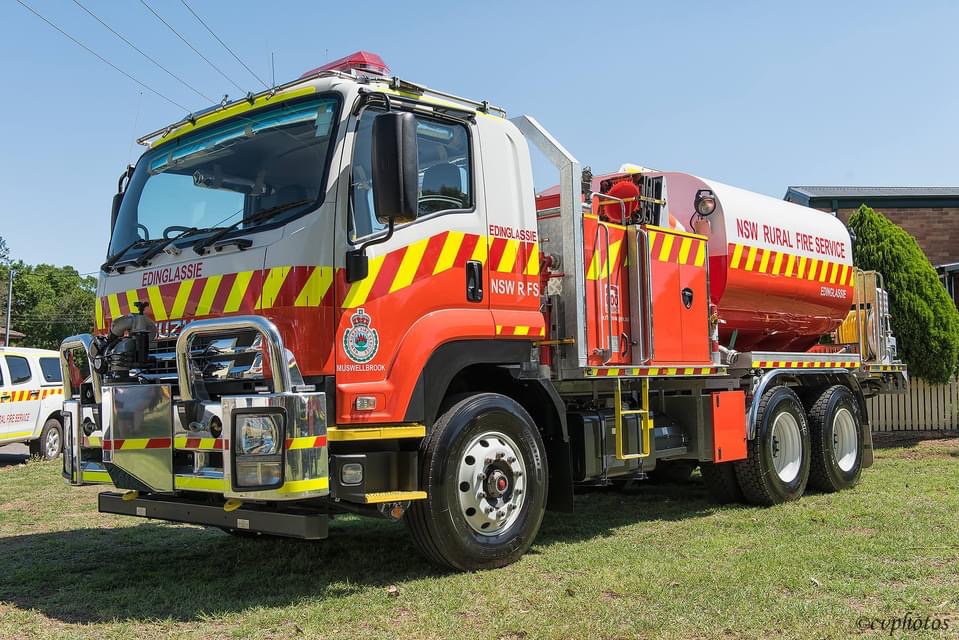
845,443
786,446
51,445
491,483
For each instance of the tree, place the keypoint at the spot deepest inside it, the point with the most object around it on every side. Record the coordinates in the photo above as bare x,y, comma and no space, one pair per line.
50,303
924,318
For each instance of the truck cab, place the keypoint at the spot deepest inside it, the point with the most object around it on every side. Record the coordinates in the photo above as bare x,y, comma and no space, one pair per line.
31,394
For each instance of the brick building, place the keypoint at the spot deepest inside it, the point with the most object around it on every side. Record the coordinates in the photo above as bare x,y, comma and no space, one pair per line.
929,214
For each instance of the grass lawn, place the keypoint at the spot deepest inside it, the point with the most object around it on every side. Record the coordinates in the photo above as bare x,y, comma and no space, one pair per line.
660,562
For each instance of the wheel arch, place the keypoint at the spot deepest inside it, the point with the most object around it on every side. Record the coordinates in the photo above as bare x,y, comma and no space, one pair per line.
472,366
811,381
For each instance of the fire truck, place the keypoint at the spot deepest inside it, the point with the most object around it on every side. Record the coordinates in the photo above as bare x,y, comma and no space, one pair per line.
344,296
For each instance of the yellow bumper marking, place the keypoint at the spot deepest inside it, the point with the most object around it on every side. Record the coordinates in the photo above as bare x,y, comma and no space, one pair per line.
393,496
340,434
191,483
96,476
302,486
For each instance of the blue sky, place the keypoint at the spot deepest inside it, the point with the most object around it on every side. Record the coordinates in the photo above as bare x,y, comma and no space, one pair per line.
757,94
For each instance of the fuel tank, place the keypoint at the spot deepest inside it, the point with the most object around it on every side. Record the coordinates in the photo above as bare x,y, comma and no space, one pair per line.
781,274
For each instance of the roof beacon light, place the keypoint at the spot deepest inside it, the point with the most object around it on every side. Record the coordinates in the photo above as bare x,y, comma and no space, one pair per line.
359,62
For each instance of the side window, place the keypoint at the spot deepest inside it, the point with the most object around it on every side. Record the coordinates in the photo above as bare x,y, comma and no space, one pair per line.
51,369
19,369
444,167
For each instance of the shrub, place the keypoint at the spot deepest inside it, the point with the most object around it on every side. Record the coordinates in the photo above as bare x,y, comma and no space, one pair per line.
924,318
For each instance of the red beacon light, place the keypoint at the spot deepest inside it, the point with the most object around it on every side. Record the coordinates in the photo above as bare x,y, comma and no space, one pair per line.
361,61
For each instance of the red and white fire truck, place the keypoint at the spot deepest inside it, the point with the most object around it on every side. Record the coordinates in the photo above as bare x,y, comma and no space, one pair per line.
342,295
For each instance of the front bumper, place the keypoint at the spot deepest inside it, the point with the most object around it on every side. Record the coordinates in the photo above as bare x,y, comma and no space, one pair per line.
309,526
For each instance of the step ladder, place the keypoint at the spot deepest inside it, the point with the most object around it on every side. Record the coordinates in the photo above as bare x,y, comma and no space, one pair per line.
645,423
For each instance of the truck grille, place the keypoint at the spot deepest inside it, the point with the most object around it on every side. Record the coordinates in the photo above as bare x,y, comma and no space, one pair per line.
220,358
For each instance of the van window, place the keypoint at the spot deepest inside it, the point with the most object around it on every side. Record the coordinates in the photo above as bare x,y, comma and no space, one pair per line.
19,369
51,369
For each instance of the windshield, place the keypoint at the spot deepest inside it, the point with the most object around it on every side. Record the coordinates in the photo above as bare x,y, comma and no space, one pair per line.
227,174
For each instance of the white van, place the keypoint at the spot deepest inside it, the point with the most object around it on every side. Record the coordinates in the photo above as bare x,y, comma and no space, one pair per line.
31,396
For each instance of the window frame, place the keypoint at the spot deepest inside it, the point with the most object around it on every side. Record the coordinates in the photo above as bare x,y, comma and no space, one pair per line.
444,119
13,381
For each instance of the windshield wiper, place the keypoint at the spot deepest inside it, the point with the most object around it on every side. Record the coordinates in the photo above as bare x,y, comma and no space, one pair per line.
201,246
112,260
146,256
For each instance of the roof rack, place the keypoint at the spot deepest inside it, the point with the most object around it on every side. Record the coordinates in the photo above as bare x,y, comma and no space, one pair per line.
250,98
394,83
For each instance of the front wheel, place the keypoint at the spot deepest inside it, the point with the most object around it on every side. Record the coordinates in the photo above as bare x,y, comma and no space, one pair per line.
484,472
50,443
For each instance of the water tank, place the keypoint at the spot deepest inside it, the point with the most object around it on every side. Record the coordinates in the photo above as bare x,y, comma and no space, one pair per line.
780,273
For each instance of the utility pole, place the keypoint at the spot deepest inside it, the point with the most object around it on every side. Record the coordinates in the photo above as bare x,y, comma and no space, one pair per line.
6,337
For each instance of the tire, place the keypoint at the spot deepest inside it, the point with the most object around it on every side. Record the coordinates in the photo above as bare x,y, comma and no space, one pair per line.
446,526
50,444
837,440
776,469
721,483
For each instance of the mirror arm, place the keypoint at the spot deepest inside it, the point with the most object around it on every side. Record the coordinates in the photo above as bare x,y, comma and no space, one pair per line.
357,264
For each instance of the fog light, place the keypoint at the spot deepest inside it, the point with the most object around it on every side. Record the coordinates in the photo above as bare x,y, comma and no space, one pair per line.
351,473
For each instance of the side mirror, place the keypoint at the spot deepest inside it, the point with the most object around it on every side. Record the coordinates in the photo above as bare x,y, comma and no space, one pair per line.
395,167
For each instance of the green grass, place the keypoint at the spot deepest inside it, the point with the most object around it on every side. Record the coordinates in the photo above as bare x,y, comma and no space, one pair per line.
660,562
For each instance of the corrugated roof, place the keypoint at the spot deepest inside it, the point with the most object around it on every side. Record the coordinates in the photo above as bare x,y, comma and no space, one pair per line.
877,192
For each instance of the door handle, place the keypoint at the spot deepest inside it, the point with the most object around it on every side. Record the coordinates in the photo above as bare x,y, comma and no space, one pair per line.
474,281
34,393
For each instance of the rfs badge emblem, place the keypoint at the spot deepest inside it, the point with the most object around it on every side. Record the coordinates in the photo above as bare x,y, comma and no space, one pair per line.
361,340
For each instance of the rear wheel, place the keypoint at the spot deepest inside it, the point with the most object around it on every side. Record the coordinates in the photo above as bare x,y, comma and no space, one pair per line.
50,443
721,483
837,440
777,467
484,471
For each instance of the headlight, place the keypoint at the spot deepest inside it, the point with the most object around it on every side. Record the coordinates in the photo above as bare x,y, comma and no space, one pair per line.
258,434
258,448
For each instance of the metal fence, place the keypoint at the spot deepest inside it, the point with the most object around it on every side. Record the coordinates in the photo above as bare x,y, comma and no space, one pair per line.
923,407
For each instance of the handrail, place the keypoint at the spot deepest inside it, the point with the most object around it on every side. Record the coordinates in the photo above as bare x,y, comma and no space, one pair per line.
571,214
282,379
83,341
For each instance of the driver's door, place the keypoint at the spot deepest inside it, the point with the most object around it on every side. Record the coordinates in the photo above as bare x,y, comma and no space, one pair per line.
421,289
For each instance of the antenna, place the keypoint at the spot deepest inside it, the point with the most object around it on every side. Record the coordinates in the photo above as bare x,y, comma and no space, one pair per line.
273,67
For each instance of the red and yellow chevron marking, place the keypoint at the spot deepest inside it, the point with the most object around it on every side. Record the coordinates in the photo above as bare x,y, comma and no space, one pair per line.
312,286
24,395
614,372
668,245
505,330
130,444
884,368
805,364
790,265
305,442
201,444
